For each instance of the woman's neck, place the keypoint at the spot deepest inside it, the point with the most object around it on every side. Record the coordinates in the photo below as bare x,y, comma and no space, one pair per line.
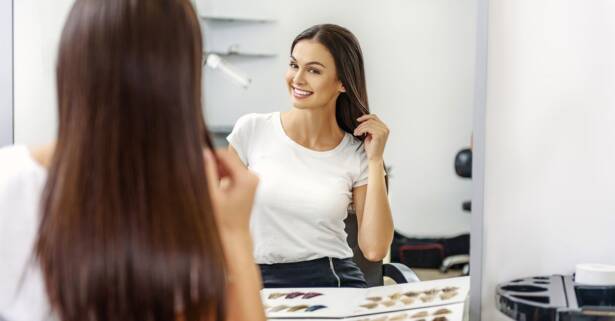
313,128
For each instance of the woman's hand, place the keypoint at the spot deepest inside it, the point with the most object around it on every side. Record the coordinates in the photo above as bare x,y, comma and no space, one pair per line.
232,188
377,135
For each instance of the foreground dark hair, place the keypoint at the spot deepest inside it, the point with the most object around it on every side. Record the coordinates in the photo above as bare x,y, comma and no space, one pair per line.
127,229
348,58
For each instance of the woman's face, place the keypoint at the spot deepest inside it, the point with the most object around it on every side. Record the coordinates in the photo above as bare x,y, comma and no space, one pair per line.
311,77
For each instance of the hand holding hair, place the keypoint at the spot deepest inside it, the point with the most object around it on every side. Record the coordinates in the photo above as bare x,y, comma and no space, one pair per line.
377,134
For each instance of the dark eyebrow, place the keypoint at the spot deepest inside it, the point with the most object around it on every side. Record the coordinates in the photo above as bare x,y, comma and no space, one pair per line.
309,63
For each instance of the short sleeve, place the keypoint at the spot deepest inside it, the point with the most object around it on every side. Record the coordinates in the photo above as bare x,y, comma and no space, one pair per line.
239,138
363,169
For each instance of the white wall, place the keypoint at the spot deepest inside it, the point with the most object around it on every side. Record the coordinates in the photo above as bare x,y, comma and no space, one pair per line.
6,72
38,25
419,57
550,144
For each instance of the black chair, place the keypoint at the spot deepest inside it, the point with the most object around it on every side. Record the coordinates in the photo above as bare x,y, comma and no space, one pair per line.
375,271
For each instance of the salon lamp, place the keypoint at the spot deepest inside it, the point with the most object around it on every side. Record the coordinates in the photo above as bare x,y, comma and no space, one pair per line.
215,62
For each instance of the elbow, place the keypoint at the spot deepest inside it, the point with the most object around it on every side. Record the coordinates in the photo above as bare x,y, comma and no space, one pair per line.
375,250
375,255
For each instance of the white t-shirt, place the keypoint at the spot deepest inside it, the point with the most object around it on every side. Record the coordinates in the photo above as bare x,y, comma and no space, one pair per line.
21,183
303,195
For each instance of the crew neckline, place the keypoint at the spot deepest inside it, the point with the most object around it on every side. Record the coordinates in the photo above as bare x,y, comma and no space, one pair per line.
280,130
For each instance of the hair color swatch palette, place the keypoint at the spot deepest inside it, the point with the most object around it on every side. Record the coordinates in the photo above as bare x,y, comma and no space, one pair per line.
371,303
451,312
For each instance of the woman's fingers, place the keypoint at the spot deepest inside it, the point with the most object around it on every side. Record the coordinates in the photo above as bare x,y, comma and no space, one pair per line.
223,169
370,127
372,124
237,175
367,116
230,163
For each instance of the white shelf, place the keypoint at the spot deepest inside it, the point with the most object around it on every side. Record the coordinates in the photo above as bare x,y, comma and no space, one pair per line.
221,18
241,54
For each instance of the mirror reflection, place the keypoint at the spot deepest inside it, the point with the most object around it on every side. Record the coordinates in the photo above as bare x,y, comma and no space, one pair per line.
345,160
418,63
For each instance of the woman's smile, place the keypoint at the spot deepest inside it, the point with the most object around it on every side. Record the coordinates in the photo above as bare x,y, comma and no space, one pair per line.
299,93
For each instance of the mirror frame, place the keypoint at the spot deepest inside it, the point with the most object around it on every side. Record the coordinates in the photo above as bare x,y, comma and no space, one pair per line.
7,103
478,160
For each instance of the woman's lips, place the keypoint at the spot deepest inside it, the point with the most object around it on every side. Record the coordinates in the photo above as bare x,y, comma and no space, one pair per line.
300,94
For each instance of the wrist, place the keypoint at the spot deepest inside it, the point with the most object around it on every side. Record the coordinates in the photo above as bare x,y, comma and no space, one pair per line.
234,227
377,161
235,237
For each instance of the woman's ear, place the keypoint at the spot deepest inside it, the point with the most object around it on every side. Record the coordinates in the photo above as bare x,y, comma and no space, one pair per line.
342,88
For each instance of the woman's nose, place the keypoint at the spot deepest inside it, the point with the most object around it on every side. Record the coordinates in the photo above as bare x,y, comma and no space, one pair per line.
298,77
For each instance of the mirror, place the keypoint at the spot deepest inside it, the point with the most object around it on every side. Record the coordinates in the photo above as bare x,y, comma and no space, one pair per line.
420,69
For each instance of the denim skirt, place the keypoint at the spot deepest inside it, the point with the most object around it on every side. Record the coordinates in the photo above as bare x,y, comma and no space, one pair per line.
325,272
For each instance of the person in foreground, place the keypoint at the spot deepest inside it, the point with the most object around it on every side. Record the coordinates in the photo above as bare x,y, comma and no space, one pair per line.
130,215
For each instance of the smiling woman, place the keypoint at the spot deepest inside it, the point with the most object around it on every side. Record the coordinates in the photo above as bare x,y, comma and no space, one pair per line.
312,82
337,67
314,161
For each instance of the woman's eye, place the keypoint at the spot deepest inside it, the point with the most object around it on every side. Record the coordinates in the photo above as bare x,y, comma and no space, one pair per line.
293,65
314,71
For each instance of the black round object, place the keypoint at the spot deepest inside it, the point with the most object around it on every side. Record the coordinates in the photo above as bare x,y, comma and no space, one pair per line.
463,163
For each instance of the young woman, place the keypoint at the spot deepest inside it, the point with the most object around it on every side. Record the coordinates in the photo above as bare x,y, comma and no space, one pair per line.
313,161
133,223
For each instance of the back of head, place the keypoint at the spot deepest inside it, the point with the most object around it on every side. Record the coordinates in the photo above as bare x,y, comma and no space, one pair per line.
346,52
127,229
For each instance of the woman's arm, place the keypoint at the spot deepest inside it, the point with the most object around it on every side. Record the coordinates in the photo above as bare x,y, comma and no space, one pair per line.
374,219
232,197
244,280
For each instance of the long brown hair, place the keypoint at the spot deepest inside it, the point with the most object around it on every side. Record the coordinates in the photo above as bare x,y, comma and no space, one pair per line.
348,58
127,229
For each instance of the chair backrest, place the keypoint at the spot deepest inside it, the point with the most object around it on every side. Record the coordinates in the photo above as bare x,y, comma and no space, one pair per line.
371,270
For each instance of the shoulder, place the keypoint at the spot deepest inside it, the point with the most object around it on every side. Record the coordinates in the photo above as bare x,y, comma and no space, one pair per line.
254,120
18,167
22,180
355,150
15,158
13,152
250,126
249,130
21,183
